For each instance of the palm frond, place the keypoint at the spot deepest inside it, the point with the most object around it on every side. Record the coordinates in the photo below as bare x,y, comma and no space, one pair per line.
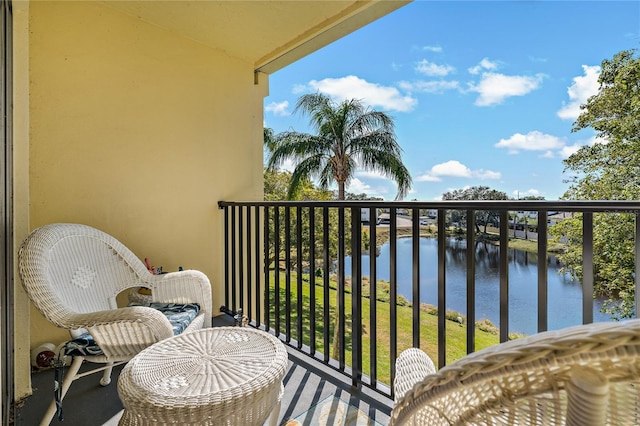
305,170
349,135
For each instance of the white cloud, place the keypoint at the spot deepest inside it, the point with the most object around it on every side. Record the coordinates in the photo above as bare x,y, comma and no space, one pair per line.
436,86
356,186
382,187
298,88
582,88
451,168
436,49
429,68
567,151
370,174
280,108
428,177
494,88
454,168
537,59
349,87
484,65
532,141
487,174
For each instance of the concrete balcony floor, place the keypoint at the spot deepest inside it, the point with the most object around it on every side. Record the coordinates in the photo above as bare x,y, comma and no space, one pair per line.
307,382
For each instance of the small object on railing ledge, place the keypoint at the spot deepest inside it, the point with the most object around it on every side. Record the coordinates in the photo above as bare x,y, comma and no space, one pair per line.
239,319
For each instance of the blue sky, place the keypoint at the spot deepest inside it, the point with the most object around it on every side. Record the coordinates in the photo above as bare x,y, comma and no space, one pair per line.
482,93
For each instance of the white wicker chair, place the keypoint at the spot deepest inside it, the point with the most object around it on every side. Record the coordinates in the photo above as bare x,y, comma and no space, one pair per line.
73,273
583,375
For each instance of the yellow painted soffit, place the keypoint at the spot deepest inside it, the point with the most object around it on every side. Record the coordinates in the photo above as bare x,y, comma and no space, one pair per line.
269,34
357,15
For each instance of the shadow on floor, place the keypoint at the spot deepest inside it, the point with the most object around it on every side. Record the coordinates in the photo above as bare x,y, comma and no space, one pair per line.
86,403
307,382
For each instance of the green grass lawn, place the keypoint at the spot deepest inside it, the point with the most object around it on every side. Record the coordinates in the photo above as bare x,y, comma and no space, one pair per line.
455,333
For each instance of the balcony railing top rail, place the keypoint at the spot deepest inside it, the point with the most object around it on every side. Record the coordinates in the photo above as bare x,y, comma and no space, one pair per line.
511,205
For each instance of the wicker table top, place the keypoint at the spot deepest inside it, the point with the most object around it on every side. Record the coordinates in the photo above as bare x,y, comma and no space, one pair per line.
211,367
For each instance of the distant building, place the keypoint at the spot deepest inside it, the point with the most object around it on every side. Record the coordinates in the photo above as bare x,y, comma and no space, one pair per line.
555,217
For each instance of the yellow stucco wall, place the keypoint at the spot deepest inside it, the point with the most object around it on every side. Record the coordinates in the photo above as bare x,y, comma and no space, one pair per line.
138,132
22,369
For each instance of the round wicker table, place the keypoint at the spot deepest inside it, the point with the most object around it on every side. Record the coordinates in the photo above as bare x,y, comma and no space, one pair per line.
213,376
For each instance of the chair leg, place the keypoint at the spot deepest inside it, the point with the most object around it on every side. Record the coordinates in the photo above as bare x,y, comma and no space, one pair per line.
106,376
273,421
69,377
275,413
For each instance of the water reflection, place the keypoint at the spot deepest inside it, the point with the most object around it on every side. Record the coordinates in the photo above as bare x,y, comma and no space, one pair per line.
564,294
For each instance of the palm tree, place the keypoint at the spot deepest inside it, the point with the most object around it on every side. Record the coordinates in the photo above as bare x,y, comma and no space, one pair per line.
269,139
349,135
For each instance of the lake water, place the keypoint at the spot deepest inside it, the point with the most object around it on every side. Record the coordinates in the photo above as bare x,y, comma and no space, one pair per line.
564,294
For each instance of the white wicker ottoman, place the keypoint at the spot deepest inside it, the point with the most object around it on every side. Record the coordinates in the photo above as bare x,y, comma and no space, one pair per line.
214,376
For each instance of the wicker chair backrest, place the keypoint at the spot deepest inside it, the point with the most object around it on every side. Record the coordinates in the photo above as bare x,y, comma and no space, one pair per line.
72,268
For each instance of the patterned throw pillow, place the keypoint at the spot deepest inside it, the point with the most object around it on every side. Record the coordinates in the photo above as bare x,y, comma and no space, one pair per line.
179,315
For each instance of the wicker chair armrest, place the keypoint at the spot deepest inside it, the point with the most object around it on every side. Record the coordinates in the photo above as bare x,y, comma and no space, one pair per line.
183,287
122,333
412,366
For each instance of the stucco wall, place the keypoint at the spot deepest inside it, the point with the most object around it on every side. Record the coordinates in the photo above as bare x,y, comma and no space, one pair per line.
138,132
22,370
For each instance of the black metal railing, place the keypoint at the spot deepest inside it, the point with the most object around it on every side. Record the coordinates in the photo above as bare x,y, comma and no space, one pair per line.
284,267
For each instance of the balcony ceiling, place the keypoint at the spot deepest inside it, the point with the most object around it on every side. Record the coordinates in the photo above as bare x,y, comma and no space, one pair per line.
270,34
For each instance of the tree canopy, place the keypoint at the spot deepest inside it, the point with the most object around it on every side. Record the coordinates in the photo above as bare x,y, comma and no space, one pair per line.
484,217
607,170
610,169
348,136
